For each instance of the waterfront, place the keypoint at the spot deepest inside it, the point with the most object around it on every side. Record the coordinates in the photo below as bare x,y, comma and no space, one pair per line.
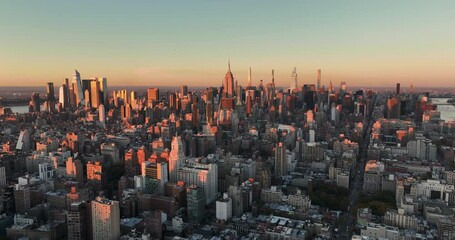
447,110
20,109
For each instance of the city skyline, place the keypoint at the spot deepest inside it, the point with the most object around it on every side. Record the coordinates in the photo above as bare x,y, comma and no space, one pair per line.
160,44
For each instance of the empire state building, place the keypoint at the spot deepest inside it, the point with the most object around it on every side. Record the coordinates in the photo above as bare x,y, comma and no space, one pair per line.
228,83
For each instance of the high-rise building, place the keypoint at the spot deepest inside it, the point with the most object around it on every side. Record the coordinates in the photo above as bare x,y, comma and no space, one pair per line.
204,175
293,80
86,86
343,88
105,219
104,91
176,157
23,143
95,91
22,198
77,221
77,88
228,83
50,95
102,114
280,160
96,175
2,174
446,228
141,155
133,99
46,171
224,208
249,77
195,203
157,171
87,101
318,86
270,90
242,197
63,97
111,153
393,108
183,91
35,103
153,95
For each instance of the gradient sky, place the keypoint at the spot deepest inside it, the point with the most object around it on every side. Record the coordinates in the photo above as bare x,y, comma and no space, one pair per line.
163,43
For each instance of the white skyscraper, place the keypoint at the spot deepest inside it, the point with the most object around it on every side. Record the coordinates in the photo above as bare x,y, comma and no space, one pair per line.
176,157
78,91
23,143
293,79
224,208
202,175
63,97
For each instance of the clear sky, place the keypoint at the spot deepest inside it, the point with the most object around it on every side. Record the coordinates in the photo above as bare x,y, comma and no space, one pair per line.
163,43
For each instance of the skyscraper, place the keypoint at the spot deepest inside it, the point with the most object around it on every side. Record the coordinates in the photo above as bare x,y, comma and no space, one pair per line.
224,208
105,219
50,95
271,88
229,83
343,87
87,98
63,97
393,108
22,198
195,203
183,90
77,221
280,160
102,114
157,171
293,80
319,80
204,175
176,157
153,94
103,89
249,77
35,104
95,100
77,88
398,89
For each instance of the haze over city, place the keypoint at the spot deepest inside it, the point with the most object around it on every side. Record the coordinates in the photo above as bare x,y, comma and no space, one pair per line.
150,43
227,120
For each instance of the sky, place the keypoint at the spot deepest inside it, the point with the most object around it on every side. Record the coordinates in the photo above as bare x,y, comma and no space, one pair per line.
167,43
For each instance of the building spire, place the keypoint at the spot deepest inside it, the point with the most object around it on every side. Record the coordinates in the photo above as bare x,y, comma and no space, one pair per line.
229,64
273,76
249,77
294,79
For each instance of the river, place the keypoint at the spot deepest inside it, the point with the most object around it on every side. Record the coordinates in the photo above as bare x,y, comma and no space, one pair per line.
447,110
21,108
